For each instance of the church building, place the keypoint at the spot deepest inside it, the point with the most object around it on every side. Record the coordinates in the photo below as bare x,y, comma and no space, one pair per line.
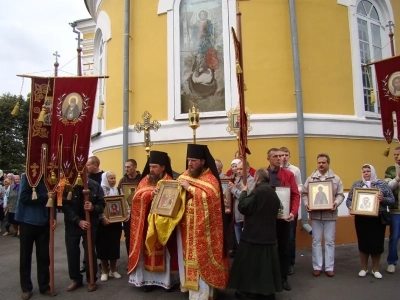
181,54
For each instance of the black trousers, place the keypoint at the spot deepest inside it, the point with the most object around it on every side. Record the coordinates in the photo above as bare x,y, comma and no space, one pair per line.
282,238
28,235
73,236
292,242
127,234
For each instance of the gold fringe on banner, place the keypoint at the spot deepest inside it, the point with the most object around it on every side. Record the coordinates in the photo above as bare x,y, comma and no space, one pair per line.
34,194
100,115
373,95
50,201
238,68
15,110
42,114
53,178
386,152
68,187
79,180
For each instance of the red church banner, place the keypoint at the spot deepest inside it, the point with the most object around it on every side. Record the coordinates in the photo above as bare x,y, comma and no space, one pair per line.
73,107
39,133
242,108
388,79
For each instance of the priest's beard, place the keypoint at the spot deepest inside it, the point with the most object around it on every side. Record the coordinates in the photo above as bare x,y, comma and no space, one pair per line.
153,178
196,172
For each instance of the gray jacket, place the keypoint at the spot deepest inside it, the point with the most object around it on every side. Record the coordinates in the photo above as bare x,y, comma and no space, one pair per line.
326,215
236,191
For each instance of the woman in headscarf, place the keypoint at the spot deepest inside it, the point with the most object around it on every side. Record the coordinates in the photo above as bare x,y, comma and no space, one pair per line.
370,230
10,204
108,234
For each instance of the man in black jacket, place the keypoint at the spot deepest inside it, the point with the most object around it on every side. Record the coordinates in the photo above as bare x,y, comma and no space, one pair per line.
76,228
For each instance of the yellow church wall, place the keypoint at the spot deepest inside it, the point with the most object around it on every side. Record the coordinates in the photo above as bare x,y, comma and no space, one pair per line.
114,64
148,56
88,35
267,51
396,14
325,57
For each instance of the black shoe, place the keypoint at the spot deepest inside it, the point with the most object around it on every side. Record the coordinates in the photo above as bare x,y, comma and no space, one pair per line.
148,288
286,286
83,269
290,270
49,293
243,295
240,295
266,297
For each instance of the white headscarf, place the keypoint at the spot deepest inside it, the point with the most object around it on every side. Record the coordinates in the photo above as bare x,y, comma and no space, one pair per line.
373,175
111,191
235,161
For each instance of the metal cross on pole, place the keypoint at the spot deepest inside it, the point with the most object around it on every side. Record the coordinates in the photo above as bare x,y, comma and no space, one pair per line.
391,34
146,126
56,55
56,64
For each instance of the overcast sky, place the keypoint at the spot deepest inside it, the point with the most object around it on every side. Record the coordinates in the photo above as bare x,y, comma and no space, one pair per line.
30,32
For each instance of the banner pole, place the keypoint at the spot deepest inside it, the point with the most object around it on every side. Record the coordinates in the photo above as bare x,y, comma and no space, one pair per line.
89,230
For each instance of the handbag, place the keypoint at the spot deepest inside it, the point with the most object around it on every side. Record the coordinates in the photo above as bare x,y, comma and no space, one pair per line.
386,218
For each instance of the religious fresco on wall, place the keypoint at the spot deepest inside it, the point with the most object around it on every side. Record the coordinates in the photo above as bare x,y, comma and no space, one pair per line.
201,55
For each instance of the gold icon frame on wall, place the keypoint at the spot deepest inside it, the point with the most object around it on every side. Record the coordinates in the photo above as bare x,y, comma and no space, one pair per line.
233,121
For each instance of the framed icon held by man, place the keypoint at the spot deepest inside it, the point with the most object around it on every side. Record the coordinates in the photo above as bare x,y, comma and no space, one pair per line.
320,195
167,202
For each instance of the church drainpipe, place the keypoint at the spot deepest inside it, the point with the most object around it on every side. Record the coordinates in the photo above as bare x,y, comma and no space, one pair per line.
125,125
299,108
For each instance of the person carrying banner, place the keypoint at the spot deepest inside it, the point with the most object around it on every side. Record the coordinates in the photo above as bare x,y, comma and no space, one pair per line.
33,217
76,228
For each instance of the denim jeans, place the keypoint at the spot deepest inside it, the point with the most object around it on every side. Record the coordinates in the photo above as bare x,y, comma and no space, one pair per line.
327,229
238,230
393,240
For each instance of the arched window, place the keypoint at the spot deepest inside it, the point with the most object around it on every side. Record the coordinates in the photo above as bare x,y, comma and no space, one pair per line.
370,41
199,57
99,70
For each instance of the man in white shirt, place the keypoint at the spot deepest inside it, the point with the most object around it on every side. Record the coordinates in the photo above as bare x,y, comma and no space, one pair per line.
285,156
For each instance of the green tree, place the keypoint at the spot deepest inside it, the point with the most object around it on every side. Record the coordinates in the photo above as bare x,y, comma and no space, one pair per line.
13,133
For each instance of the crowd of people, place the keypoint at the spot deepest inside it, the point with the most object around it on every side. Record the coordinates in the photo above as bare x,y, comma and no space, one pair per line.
191,249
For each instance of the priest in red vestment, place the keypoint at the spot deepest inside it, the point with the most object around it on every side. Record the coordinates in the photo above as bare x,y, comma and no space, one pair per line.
203,261
159,267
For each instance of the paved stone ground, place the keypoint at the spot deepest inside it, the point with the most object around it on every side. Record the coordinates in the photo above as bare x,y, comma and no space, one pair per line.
345,285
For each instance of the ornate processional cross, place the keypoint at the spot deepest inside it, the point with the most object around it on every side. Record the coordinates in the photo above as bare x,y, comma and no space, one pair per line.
146,126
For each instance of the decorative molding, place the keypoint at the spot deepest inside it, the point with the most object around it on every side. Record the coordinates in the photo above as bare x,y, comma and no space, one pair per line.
264,126
164,6
104,24
347,2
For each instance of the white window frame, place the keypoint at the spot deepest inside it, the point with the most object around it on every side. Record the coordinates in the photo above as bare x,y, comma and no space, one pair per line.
171,7
102,36
385,13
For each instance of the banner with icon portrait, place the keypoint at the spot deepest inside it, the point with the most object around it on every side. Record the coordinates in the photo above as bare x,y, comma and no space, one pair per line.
388,80
39,131
73,107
